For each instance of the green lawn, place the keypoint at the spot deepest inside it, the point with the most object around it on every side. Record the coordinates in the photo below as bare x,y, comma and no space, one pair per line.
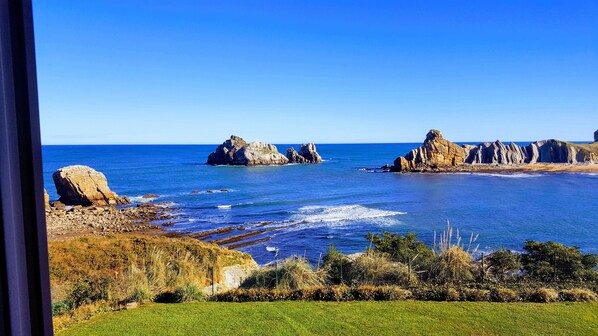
347,318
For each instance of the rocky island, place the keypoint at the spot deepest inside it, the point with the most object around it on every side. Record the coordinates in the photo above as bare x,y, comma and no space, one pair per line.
237,152
440,155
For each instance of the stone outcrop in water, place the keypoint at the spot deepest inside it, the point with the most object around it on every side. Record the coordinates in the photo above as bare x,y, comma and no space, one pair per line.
235,151
596,136
307,154
82,185
437,154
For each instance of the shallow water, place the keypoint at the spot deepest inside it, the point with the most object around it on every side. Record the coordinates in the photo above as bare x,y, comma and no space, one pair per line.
307,207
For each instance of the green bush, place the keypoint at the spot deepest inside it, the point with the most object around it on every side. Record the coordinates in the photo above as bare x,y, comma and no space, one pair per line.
405,249
140,294
60,308
435,293
504,295
578,295
336,266
86,291
189,292
502,263
551,261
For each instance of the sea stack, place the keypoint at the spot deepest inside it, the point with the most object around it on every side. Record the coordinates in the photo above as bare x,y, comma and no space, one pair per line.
237,152
307,154
596,136
83,185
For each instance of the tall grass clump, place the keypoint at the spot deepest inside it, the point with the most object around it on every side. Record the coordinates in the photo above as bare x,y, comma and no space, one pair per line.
336,266
374,268
292,273
454,263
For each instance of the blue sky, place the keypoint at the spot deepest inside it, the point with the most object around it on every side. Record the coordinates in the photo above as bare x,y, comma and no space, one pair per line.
118,71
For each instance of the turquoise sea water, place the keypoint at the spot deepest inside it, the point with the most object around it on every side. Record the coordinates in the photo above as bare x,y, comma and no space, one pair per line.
304,208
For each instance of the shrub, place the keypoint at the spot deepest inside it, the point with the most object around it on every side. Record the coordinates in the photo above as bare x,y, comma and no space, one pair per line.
472,294
502,263
392,293
140,294
294,273
542,295
60,308
405,249
86,291
189,292
453,265
364,293
336,266
435,293
578,295
374,268
503,295
550,261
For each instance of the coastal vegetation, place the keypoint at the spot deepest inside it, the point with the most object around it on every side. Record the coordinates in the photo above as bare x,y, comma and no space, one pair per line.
350,318
398,267
94,274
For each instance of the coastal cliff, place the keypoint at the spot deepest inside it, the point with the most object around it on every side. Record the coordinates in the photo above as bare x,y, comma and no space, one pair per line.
237,152
439,154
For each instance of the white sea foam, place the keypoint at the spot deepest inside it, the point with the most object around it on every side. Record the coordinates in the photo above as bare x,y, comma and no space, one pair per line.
340,215
227,206
140,199
507,175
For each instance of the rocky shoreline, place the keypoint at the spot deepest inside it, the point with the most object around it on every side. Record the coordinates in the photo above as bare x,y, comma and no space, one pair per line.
76,221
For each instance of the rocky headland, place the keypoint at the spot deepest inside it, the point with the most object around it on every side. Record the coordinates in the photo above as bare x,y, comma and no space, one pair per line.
237,152
440,155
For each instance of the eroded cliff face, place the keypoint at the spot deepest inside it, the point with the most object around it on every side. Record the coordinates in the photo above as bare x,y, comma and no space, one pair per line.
437,153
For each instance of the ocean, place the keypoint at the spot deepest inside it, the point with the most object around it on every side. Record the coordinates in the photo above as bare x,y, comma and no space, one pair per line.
302,209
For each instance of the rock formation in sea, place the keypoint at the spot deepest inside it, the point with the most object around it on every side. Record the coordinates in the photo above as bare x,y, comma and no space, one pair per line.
307,154
437,153
596,136
83,185
294,157
236,151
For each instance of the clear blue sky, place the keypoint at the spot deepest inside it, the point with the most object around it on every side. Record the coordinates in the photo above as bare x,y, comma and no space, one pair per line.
118,71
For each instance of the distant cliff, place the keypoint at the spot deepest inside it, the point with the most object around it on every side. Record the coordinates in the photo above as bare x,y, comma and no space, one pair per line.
437,153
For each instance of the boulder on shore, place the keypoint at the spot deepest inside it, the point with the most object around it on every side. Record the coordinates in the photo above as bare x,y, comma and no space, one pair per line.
235,151
82,185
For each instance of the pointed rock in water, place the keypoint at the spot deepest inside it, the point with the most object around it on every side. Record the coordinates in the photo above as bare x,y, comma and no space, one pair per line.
294,157
436,152
596,136
307,154
82,185
308,151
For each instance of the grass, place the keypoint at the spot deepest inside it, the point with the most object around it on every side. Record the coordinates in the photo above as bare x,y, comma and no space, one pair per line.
353,318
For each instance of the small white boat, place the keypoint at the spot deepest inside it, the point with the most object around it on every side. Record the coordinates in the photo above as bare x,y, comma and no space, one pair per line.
271,249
